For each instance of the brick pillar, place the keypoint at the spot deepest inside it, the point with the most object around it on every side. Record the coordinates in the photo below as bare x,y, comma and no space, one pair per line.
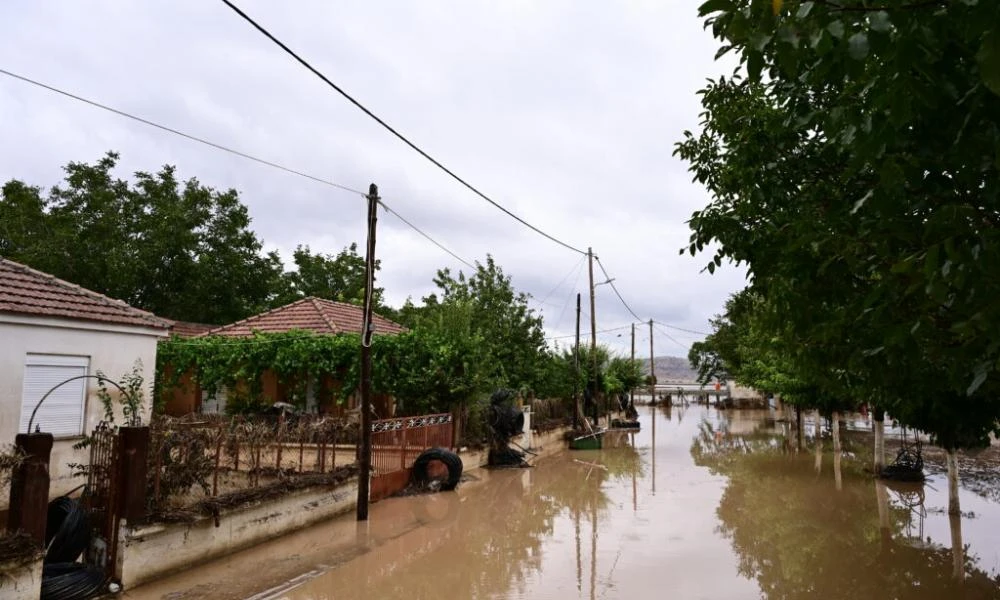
134,449
29,486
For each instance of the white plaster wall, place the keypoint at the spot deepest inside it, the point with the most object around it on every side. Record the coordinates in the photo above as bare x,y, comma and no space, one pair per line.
112,349
21,581
150,552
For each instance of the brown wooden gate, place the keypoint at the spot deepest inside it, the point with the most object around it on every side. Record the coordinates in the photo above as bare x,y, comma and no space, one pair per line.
101,498
396,443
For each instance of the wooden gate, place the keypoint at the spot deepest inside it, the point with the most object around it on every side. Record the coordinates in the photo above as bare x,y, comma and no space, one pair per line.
396,443
101,498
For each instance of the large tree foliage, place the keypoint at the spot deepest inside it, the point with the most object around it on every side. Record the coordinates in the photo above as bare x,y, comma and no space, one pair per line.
855,173
499,317
178,249
339,277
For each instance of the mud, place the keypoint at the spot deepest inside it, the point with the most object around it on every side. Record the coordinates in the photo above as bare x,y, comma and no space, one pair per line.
698,504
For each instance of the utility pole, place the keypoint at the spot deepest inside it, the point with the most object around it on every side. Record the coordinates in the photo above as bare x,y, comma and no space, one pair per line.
631,392
577,413
364,474
593,331
652,371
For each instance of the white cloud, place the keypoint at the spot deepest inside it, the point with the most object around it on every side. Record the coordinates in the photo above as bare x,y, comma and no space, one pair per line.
565,112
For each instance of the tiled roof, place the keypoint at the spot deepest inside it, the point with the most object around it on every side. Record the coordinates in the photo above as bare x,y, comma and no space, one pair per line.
310,314
26,291
187,329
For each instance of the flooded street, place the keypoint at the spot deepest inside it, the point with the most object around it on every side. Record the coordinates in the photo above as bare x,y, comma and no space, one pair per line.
693,514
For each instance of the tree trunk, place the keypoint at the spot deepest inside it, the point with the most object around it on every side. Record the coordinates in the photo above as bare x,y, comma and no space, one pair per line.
879,423
818,441
798,428
957,548
835,426
953,504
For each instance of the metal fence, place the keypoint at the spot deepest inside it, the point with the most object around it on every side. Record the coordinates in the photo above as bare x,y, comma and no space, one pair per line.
396,443
201,457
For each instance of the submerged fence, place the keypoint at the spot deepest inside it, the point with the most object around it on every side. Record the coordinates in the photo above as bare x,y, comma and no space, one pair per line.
204,457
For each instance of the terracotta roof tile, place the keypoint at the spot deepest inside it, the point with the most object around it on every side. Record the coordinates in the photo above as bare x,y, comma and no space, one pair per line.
26,291
187,329
310,314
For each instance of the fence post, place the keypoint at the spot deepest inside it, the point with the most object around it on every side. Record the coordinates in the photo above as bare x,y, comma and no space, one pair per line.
29,486
134,449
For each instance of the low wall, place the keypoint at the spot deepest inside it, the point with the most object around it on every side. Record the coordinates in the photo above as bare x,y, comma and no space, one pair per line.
152,551
149,552
544,444
21,580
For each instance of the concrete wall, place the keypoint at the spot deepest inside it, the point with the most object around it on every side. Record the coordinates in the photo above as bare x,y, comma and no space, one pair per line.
544,444
149,552
153,551
111,349
21,581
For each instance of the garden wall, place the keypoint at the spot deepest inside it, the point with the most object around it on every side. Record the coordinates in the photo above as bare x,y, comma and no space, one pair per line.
21,580
151,551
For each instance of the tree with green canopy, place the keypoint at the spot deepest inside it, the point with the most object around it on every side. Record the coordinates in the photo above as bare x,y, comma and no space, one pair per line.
854,170
179,249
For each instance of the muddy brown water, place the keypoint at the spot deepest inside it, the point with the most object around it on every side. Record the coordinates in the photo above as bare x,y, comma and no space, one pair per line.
698,504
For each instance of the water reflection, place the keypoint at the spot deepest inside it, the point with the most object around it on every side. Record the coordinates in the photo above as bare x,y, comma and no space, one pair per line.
796,539
731,513
490,540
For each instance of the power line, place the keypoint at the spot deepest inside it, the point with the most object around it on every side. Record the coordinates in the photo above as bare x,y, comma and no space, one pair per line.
560,337
391,130
223,148
428,237
682,329
189,136
674,340
617,293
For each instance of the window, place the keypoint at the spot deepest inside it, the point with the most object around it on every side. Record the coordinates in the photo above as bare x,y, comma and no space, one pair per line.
62,413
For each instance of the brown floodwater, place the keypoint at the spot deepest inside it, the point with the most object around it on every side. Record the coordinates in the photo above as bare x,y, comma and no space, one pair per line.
698,504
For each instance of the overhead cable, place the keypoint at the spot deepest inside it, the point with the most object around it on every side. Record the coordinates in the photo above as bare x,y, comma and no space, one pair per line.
193,138
391,129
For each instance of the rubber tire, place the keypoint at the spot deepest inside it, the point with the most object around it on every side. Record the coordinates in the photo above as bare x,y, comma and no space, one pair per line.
450,460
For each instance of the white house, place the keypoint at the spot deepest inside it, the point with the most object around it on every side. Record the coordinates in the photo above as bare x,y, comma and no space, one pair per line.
51,331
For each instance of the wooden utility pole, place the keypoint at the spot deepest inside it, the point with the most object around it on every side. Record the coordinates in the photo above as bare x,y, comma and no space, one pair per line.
652,371
364,474
577,413
631,392
593,331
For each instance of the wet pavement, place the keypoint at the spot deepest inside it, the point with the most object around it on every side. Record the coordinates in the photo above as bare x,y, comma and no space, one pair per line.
698,504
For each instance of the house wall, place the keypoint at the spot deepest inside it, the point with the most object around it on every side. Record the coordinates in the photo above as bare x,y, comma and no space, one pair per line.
153,551
111,349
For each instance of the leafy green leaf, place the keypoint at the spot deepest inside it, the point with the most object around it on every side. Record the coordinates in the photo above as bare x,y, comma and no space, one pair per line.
858,45
712,6
804,9
879,21
988,58
861,202
836,29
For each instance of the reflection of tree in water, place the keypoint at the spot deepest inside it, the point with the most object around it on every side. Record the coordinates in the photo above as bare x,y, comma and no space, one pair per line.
799,538
493,541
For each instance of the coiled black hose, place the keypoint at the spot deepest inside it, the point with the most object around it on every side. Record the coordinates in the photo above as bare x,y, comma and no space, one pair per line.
67,531
71,581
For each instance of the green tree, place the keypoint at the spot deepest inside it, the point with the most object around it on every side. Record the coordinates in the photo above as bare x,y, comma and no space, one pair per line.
178,249
339,277
868,223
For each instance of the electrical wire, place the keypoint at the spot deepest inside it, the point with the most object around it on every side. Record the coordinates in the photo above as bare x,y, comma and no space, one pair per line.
235,152
392,130
681,328
180,133
617,293
673,339
427,236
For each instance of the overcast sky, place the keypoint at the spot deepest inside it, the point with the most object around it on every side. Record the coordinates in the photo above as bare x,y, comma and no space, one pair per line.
565,112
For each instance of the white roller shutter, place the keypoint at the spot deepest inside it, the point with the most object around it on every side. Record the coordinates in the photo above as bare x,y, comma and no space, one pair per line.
62,413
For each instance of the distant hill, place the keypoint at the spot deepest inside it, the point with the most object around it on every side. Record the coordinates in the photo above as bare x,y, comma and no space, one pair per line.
672,368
